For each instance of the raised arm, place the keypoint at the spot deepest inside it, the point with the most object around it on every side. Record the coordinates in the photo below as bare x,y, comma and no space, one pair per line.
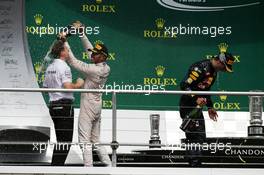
85,41
80,65
86,44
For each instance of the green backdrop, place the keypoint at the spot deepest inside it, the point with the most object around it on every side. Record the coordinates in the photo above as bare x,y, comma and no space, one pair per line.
134,30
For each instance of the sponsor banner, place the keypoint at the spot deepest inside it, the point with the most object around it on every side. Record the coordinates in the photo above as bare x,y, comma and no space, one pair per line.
152,44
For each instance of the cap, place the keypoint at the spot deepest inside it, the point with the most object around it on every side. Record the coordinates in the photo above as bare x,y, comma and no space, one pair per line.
99,48
227,59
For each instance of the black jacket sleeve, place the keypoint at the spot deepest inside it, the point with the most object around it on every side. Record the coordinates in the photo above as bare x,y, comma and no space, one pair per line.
209,103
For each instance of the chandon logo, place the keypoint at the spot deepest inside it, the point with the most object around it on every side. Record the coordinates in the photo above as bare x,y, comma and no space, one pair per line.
172,4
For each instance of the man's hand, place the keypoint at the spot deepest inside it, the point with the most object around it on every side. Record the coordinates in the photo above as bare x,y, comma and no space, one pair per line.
212,114
62,36
201,101
79,82
79,26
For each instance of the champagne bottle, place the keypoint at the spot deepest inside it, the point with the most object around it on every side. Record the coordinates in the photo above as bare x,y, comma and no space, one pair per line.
195,112
189,122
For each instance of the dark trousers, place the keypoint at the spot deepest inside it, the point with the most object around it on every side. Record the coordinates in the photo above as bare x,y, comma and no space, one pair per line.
197,135
62,113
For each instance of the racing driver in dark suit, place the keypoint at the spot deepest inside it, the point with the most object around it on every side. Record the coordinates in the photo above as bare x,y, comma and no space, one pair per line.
200,77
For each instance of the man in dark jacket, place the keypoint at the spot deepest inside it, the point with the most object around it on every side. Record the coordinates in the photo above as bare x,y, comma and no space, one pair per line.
200,77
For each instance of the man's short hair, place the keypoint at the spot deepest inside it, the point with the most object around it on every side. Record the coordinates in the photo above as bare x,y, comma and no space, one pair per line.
57,48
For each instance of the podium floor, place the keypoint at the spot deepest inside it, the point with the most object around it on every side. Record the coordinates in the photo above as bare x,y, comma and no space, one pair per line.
44,170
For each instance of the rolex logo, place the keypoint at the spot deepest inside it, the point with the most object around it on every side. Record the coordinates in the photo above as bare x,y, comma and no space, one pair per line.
98,7
160,80
224,105
222,47
38,19
160,70
223,97
37,67
160,23
98,42
39,72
